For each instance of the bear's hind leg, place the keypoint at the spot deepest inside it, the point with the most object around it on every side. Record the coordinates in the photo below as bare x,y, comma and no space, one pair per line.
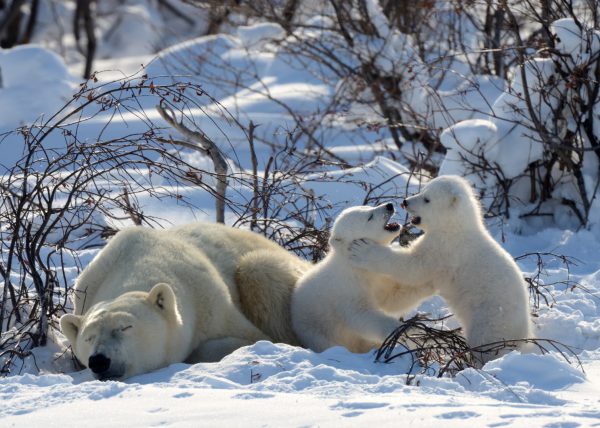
265,281
317,342
372,325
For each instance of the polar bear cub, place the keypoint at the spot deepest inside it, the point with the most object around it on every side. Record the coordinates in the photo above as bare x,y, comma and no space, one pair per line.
336,303
479,280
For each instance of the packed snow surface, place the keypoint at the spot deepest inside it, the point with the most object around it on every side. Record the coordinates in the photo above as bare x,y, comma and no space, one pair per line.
34,82
273,384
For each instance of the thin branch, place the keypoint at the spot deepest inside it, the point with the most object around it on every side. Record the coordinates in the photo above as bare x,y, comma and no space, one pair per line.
206,146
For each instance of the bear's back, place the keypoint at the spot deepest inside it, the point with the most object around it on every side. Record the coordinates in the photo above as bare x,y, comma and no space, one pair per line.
136,259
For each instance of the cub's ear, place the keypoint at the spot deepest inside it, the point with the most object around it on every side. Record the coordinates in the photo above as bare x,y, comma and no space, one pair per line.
70,325
455,198
163,298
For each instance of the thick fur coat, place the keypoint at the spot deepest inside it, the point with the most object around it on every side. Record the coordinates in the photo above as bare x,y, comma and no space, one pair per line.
336,303
458,258
192,293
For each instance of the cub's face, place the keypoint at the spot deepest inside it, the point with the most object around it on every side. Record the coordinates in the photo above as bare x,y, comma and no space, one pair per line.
441,202
365,222
123,337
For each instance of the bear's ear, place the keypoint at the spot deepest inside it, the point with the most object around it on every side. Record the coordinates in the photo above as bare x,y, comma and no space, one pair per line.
455,198
69,325
163,298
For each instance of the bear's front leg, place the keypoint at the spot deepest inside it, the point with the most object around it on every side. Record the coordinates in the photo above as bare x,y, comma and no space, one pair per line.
368,254
384,260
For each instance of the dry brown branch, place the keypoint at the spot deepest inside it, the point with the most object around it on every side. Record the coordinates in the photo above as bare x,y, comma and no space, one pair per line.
206,146
255,188
427,345
83,16
437,351
10,25
134,213
56,199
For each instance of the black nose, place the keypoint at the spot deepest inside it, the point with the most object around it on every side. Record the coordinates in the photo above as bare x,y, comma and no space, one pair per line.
404,203
389,206
99,363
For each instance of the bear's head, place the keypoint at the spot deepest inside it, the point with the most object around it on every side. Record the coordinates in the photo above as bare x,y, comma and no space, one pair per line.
364,222
445,202
126,336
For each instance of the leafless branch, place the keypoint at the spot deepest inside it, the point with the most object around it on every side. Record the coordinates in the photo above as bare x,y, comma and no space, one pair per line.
206,146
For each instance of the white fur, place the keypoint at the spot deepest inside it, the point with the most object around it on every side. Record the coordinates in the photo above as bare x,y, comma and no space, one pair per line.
457,256
156,297
338,304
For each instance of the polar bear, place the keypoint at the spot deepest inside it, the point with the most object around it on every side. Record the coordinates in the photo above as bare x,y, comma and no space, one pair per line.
479,280
192,293
335,303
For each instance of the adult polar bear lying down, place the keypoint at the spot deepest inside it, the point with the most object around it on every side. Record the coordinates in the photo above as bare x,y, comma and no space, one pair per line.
479,280
336,303
192,293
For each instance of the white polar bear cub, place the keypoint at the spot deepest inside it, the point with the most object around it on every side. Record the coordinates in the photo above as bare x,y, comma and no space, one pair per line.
192,293
479,280
338,304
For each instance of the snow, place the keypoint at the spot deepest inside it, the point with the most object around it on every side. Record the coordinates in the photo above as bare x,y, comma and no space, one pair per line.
513,133
464,140
27,70
270,384
570,35
253,36
513,140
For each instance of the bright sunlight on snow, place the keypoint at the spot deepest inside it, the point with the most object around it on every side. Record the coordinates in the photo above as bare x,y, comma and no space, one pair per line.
315,106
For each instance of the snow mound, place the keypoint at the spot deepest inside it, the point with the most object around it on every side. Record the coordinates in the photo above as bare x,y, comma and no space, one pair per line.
539,371
464,141
284,368
353,186
26,65
576,40
34,81
267,370
258,34
521,125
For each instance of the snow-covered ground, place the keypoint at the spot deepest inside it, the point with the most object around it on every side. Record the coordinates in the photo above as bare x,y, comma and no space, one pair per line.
278,385
275,384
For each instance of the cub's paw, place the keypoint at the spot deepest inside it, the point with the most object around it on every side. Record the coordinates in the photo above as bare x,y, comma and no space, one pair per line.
362,252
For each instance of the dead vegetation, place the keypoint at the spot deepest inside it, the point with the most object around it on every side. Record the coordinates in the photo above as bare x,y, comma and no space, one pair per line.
431,349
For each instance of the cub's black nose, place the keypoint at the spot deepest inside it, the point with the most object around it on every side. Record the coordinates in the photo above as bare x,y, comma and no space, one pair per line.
389,206
99,363
404,203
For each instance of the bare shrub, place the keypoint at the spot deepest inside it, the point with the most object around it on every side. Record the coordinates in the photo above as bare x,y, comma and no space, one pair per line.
432,349
549,107
439,352
541,291
68,192
57,196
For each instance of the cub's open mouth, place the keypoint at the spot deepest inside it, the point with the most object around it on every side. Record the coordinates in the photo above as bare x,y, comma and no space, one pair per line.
392,227
416,220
